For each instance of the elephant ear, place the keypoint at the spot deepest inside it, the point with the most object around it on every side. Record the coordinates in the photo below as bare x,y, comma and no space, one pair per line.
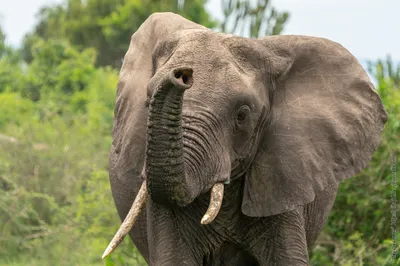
325,121
130,114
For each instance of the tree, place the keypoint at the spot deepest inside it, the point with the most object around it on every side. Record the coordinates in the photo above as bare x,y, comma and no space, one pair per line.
106,25
2,42
252,18
386,70
10,71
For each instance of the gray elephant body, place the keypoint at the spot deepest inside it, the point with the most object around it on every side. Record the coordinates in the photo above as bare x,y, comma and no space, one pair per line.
175,236
281,119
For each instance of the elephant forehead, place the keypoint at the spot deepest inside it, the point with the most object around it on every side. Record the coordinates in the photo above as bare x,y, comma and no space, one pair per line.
202,52
217,83
212,64
218,80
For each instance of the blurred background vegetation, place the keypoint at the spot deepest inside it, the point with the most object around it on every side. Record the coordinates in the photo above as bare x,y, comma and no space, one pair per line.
57,95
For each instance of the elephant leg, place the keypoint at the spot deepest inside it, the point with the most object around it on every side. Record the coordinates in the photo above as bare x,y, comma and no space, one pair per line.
233,255
166,245
316,213
279,239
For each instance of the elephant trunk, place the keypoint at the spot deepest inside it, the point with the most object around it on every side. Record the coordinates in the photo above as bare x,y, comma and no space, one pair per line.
167,180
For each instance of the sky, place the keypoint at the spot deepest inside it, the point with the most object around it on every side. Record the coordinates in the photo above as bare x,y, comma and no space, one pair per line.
369,29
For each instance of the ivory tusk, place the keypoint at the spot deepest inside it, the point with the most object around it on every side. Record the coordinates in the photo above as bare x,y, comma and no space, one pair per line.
217,194
129,221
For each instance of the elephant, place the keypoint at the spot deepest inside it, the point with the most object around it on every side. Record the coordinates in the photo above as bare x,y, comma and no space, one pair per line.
229,150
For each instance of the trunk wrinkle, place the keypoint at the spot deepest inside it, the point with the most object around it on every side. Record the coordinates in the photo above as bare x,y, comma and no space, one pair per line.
183,150
165,167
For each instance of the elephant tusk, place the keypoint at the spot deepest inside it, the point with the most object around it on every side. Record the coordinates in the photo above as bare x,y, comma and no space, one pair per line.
217,194
129,221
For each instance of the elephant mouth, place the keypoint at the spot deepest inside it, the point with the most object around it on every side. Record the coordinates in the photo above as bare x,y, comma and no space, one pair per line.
217,195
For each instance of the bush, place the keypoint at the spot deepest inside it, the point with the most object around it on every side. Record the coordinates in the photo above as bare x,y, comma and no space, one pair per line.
55,135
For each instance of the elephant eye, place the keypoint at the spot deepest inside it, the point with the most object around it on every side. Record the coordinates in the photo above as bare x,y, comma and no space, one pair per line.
242,114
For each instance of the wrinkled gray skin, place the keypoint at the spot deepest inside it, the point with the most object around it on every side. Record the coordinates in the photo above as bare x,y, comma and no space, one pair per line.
283,118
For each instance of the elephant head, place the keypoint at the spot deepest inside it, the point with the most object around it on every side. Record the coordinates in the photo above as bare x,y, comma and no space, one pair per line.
288,114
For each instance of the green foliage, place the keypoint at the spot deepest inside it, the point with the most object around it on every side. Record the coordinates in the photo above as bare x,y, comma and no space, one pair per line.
55,124
106,25
57,71
2,42
386,70
14,109
10,71
252,18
